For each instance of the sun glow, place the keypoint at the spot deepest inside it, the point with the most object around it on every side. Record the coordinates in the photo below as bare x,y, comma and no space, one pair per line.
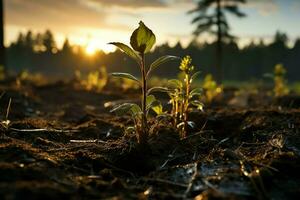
91,49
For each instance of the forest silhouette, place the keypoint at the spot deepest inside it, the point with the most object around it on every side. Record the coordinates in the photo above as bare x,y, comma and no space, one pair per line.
38,53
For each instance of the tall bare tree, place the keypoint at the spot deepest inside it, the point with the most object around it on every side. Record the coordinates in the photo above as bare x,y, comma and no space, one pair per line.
2,48
210,17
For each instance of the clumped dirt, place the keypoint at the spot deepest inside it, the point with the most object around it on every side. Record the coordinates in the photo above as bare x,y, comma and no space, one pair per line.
62,143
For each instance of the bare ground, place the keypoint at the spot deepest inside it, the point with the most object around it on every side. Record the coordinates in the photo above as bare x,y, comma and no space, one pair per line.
62,143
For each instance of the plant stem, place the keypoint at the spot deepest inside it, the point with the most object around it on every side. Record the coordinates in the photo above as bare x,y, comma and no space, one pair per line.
186,103
144,133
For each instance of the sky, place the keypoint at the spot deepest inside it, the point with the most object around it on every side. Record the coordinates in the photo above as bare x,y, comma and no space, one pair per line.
94,23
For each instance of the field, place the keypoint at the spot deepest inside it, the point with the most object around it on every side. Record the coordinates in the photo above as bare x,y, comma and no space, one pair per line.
63,143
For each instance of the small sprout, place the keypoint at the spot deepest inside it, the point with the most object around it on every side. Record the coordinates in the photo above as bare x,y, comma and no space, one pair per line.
280,83
5,123
211,88
142,40
182,96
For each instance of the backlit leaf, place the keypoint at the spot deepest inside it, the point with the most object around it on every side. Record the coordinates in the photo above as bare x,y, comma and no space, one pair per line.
149,100
161,61
122,109
135,110
157,89
142,39
154,104
196,92
125,75
126,108
158,108
126,49
199,105
194,76
175,83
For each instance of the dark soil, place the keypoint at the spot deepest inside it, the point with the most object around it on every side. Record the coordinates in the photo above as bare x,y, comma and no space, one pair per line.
62,143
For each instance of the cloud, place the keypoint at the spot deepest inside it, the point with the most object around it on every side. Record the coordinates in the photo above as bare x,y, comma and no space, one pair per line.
66,15
131,3
56,14
264,8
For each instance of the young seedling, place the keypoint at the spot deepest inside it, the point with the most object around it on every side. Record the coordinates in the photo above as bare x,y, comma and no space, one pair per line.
142,40
280,86
183,96
211,88
5,123
280,83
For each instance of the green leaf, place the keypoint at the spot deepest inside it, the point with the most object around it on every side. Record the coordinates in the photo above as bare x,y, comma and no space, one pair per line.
126,49
135,110
157,89
196,92
125,108
142,39
155,105
161,61
149,100
198,104
195,76
158,109
163,116
130,129
122,109
125,75
191,124
175,83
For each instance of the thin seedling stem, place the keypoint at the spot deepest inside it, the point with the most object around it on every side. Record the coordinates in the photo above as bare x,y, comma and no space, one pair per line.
144,132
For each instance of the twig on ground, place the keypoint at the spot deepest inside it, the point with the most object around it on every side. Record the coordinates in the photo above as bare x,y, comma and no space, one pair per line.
44,130
88,141
171,159
198,133
66,148
192,180
166,182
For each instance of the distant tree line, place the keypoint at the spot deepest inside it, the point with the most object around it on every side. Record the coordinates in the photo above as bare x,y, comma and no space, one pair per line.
211,18
39,53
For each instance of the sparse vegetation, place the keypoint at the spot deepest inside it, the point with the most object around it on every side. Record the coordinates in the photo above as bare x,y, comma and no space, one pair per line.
25,77
95,80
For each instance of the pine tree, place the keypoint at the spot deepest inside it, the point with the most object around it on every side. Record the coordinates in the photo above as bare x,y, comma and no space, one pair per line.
211,18
49,41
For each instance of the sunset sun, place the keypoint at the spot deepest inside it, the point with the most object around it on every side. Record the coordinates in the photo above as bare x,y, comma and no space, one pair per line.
91,49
